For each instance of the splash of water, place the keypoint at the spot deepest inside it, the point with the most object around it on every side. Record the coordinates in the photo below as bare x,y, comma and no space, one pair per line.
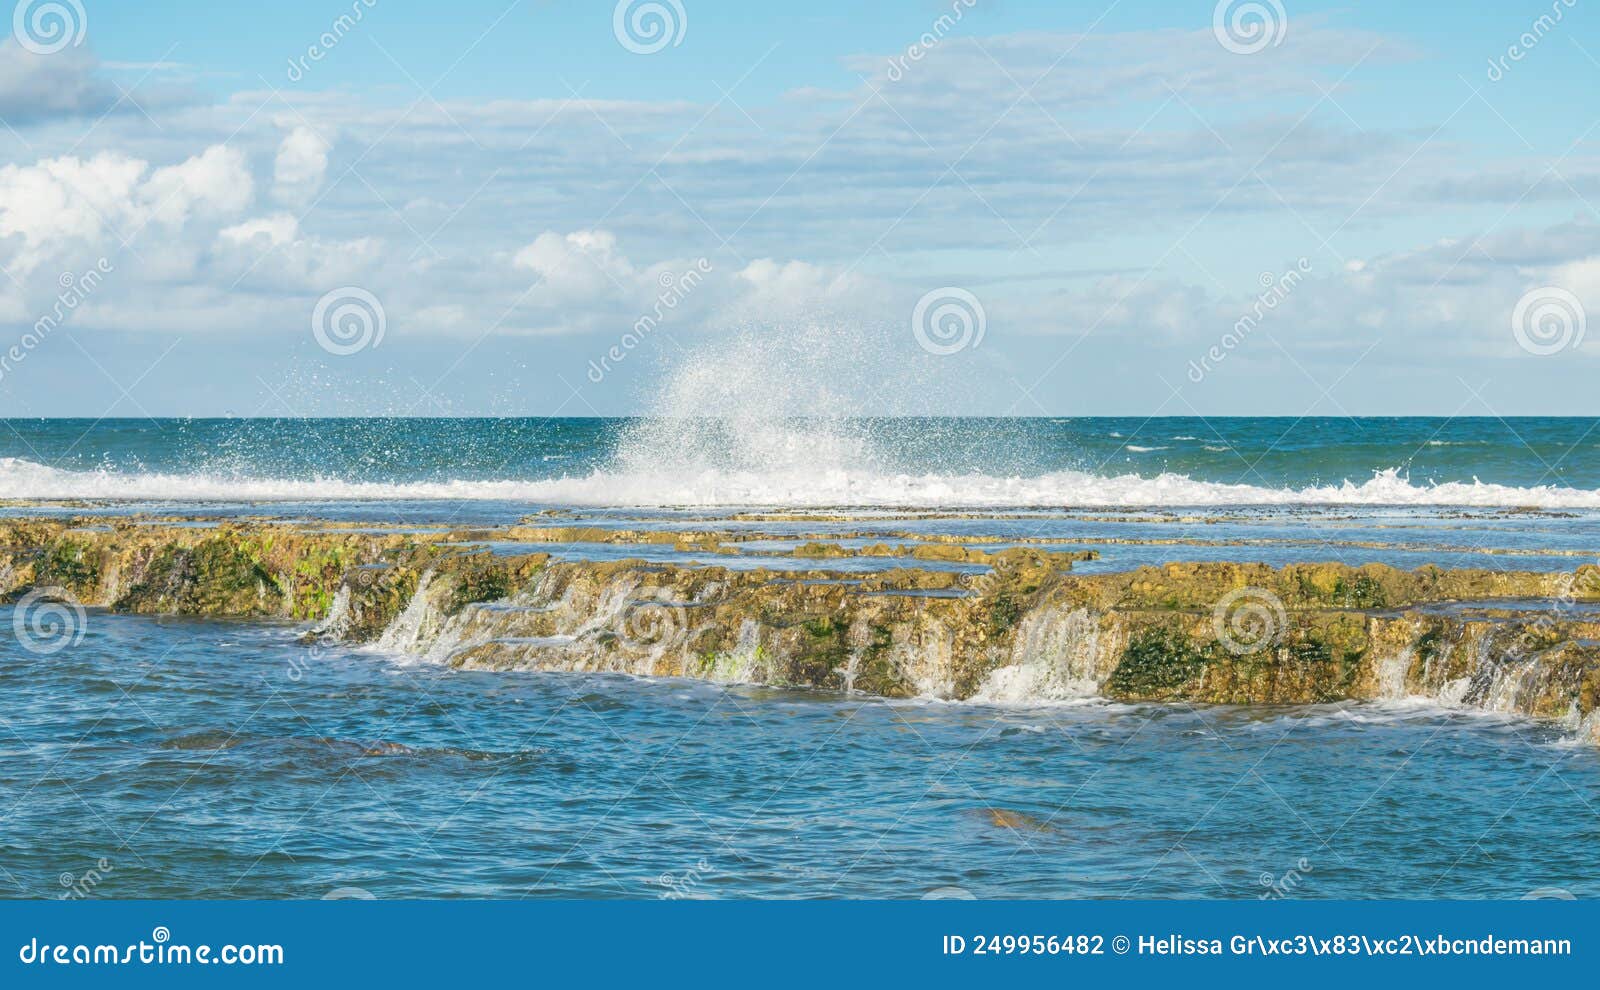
780,401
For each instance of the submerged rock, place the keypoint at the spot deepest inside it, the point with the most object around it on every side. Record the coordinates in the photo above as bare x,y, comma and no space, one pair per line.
1016,821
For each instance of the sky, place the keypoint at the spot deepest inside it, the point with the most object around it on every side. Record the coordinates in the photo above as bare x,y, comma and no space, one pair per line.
978,207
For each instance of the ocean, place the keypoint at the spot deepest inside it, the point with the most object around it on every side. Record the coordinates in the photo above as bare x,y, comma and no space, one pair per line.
907,462
152,755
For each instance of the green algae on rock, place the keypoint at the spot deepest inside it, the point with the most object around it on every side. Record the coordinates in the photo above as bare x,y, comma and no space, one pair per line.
1028,629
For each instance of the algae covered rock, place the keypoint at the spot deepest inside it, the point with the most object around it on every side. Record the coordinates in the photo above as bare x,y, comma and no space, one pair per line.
1026,628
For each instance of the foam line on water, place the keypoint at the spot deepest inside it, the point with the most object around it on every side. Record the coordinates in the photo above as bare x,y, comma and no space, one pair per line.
823,488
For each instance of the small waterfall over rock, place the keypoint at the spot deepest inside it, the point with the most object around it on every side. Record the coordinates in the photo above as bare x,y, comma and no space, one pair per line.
1057,656
880,636
1534,661
415,627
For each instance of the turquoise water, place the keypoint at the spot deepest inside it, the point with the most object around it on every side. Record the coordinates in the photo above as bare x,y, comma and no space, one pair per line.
937,462
209,759
173,758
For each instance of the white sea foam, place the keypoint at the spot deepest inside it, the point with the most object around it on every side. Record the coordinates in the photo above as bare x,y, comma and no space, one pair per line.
820,488
772,416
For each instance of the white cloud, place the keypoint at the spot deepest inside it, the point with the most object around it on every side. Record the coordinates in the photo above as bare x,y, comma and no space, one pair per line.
841,205
274,231
777,288
215,183
301,166
70,203
581,264
68,198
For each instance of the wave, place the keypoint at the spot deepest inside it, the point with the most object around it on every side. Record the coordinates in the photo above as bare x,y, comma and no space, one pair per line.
824,488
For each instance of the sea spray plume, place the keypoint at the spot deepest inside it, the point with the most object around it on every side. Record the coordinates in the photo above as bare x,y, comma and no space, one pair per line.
778,410
788,411
738,406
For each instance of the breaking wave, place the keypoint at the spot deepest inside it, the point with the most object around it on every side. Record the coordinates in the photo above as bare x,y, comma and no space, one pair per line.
817,487
815,414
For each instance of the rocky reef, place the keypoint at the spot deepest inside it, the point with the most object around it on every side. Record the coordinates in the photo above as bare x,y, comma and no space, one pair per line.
1022,628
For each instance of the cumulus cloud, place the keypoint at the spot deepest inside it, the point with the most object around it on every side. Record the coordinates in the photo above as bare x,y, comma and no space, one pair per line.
215,183
92,204
1085,158
578,265
583,281
301,166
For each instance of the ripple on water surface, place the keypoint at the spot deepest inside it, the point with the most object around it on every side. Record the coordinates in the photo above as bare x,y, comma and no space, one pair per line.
220,760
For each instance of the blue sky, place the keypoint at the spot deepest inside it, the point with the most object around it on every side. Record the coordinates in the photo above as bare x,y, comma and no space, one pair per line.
988,207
